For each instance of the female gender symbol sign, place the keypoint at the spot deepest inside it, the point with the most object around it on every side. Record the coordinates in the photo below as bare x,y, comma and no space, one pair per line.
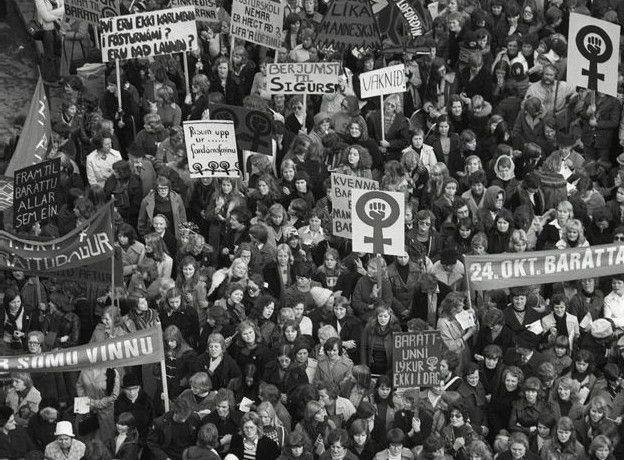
593,51
377,216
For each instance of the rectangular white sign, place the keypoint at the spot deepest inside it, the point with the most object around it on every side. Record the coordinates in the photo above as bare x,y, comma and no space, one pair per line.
206,10
593,54
341,187
379,82
378,222
211,148
153,33
303,77
258,21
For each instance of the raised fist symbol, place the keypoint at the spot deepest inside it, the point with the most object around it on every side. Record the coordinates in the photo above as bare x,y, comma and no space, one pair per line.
377,210
594,45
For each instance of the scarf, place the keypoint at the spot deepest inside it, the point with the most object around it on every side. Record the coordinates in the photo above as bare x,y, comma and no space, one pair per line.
144,319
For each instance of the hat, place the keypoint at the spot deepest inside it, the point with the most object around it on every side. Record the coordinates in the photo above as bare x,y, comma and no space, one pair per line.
5,414
64,428
565,140
448,257
601,329
519,290
130,380
611,371
321,117
320,295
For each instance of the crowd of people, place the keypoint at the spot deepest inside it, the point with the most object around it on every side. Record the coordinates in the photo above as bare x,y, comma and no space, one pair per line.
277,336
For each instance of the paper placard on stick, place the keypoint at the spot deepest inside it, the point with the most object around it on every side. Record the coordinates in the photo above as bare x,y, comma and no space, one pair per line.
258,21
378,222
341,187
152,33
34,193
211,148
378,82
303,78
253,127
349,24
91,11
206,10
593,54
416,358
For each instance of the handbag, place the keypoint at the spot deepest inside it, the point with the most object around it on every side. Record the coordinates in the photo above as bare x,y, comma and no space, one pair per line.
34,29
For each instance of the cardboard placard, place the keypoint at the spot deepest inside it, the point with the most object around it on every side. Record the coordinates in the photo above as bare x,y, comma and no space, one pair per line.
152,33
416,359
211,148
254,128
349,24
593,54
303,78
206,10
387,80
258,21
341,186
378,222
34,193
91,11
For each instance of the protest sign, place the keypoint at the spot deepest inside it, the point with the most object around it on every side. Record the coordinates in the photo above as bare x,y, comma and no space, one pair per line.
34,193
87,244
258,21
593,54
348,24
91,11
134,349
341,186
151,33
205,10
500,271
211,148
387,80
303,77
253,127
378,222
416,359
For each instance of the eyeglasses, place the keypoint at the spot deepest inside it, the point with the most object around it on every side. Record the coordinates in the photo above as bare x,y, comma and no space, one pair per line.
33,342
456,415
618,238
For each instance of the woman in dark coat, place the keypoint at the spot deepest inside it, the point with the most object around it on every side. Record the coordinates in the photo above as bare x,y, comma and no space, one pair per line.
126,189
278,274
266,449
396,127
349,326
222,81
217,363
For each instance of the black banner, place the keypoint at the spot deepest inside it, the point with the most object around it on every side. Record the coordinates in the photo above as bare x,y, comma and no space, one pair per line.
34,193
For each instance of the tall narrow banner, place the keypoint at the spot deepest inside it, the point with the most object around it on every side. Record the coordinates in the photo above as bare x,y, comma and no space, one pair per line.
34,140
258,21
90,243
378,222
91,11
141,347
593,54
500,271
387,80
211,148
416,359
341,187
402,21
206,10
151,33
349,24
303,77
34,193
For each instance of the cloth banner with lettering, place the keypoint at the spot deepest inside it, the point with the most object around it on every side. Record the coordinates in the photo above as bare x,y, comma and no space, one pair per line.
349,24
401,22
87,245
416,359
91,11
141,347
499,271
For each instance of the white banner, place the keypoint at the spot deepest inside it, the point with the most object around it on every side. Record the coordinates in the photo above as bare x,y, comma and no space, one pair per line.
258,21
147,34
593,54
378,222
379,82
206,10
341,187
211,148
303,77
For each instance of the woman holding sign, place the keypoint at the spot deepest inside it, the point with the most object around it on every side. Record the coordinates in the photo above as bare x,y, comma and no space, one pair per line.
392,132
